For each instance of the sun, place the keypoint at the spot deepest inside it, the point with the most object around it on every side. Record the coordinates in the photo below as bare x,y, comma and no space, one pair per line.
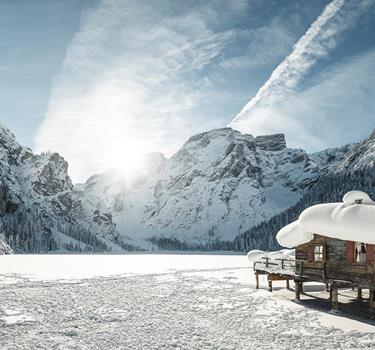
128,158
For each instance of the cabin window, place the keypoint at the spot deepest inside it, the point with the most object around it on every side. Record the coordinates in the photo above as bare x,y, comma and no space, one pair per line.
360,252
318,253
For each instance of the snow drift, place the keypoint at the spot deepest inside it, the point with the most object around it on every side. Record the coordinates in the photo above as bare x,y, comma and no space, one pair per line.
293,235
258,255
351,220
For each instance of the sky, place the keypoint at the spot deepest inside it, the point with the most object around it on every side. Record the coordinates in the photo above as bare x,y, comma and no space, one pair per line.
103,82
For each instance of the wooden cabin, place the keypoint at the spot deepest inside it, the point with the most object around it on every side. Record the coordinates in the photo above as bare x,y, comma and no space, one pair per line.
322,251
338,264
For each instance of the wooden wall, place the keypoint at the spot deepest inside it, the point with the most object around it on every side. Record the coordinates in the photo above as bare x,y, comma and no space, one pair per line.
338,262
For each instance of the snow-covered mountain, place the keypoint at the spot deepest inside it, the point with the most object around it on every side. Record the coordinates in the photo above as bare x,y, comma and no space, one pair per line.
343,169
359,156
217,186
38,206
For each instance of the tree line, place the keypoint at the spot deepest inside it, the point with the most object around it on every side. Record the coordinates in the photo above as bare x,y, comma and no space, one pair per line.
329,188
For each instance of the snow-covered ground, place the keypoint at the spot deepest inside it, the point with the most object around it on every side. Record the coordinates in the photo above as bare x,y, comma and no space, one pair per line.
158,302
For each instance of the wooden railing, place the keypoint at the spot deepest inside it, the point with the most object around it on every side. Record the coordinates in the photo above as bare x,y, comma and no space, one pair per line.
267,263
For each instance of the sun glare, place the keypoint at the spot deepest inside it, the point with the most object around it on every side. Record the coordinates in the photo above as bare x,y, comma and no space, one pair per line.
128,157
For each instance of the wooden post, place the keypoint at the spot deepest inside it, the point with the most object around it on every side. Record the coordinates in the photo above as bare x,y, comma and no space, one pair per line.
327,287
270,285
359,295
300,267
297,289
371,300
287,284
257,280
335,298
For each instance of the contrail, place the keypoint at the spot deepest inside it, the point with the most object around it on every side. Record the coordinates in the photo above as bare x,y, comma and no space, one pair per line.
316,43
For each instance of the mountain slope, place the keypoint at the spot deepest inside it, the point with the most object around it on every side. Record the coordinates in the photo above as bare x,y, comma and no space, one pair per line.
349,168
215,187
38,208
220,187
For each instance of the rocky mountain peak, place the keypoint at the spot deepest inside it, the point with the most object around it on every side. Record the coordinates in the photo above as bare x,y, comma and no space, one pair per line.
50,175
215,187
11,152
219,183
275,142
372,136
38,207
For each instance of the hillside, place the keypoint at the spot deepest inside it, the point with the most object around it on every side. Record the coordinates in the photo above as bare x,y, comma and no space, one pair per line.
355,171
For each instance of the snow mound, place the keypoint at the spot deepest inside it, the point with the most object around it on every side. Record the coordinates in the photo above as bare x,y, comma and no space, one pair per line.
292,235
276,255
289,254
256,255
352,220
357,197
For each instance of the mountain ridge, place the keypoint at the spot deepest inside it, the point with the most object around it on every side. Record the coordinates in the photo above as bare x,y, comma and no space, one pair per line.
215,185
213,189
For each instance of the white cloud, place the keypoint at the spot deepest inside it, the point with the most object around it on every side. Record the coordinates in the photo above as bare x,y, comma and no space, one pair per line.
264,45
318,41
128,84
337,107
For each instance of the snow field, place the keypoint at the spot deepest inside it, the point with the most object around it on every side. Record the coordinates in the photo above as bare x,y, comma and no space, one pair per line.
210,303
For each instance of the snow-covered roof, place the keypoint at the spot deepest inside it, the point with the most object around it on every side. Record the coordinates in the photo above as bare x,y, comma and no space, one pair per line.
351,220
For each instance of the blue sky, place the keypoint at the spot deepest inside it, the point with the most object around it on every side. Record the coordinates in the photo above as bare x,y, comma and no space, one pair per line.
102,82
34,38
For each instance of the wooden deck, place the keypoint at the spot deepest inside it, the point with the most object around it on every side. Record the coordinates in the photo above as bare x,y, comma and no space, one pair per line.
282,270
306,271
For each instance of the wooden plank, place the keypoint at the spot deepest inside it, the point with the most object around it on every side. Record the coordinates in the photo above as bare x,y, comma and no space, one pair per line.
336,249
310,252
335,298
276,277
369,254
349,251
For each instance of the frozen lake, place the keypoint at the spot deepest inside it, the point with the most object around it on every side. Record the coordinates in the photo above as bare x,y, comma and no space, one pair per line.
162,301
52,267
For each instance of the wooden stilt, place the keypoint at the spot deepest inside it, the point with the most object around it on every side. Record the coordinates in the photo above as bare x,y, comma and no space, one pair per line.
287,284
257,280
372,299
327,287
359,295
270,285
298,285
334,298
